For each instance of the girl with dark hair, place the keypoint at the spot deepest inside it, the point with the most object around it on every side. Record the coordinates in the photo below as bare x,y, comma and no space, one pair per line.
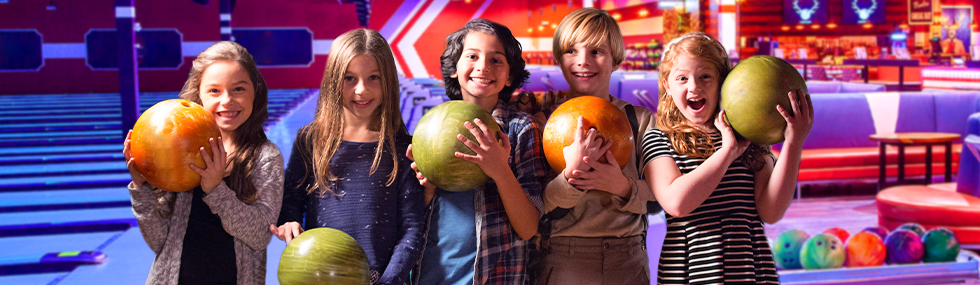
480,236
216,233
346,170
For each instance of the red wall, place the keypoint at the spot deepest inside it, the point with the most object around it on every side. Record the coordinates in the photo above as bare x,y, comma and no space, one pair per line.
326,19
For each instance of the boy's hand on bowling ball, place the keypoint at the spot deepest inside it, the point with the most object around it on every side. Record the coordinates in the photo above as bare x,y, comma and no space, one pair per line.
585,144
729,142
491,156
214,166
430,189
798,125
607,177
287,231
134,172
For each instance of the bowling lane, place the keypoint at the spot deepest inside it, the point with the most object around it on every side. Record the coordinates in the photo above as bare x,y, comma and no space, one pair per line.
30,245
44,182
62,197
114,154
65,216
34,279
61,149
59,168
128,262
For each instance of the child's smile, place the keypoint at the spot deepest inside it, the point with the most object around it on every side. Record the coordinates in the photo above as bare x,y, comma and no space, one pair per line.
482,70
693,85
227,92
362,88
587,69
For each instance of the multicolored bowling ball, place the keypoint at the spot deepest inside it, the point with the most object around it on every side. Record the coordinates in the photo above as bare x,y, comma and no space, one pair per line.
940,245
822,251
610,123
324,256
865,249
752,90
786,251
904,247
167,138
916,228
880,231
434,145
839,232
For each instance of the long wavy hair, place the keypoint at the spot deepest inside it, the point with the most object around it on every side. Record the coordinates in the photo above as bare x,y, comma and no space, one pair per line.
512,51
249,137
684,136
326,131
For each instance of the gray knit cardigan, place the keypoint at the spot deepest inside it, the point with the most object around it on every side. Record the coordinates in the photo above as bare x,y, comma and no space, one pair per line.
249,224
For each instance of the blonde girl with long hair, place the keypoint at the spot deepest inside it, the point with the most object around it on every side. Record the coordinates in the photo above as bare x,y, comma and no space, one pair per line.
346,170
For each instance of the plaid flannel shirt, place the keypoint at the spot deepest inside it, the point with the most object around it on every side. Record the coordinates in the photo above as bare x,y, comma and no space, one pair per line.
502,256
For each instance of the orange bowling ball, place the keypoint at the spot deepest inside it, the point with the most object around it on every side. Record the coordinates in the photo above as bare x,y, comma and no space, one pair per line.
609,121
167,138
865,249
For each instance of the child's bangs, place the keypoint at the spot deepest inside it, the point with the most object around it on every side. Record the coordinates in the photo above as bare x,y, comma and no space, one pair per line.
592,35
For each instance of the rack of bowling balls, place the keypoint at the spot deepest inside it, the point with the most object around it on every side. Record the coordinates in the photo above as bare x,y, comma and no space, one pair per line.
643,56
910,253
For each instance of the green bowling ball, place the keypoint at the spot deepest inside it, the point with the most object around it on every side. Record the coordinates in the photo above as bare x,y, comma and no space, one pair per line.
434,145
751,92
940,245
786,250
324,256
823,251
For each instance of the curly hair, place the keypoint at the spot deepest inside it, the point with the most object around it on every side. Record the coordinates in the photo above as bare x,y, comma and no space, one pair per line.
512,51
685,137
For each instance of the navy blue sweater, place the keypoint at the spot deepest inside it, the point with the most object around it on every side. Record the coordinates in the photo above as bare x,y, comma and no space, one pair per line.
385,220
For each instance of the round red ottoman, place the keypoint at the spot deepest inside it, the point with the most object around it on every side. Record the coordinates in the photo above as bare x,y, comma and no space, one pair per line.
931,206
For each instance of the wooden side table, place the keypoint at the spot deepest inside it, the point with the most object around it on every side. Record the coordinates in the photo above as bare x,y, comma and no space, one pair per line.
901,140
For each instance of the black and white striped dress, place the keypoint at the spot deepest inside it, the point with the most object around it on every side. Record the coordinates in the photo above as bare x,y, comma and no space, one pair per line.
722,241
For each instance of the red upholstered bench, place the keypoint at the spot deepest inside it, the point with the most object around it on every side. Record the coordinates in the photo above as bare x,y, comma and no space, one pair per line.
931,206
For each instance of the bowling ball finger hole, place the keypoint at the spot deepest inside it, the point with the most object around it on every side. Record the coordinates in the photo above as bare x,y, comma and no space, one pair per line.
819,243
185,104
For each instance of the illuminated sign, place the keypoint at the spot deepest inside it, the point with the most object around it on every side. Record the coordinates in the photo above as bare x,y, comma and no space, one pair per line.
804,12
864,11
920,12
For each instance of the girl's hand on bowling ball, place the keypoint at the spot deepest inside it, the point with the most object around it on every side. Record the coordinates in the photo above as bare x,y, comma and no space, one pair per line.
490,155
134,172
798,125
430,189
585,144
287,231
606,177
215,166
729,142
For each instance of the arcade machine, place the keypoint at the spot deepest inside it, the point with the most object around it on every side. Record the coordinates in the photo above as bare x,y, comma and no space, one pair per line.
897,43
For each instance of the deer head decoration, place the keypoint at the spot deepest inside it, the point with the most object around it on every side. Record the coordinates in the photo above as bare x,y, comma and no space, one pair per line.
805,14
864,13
